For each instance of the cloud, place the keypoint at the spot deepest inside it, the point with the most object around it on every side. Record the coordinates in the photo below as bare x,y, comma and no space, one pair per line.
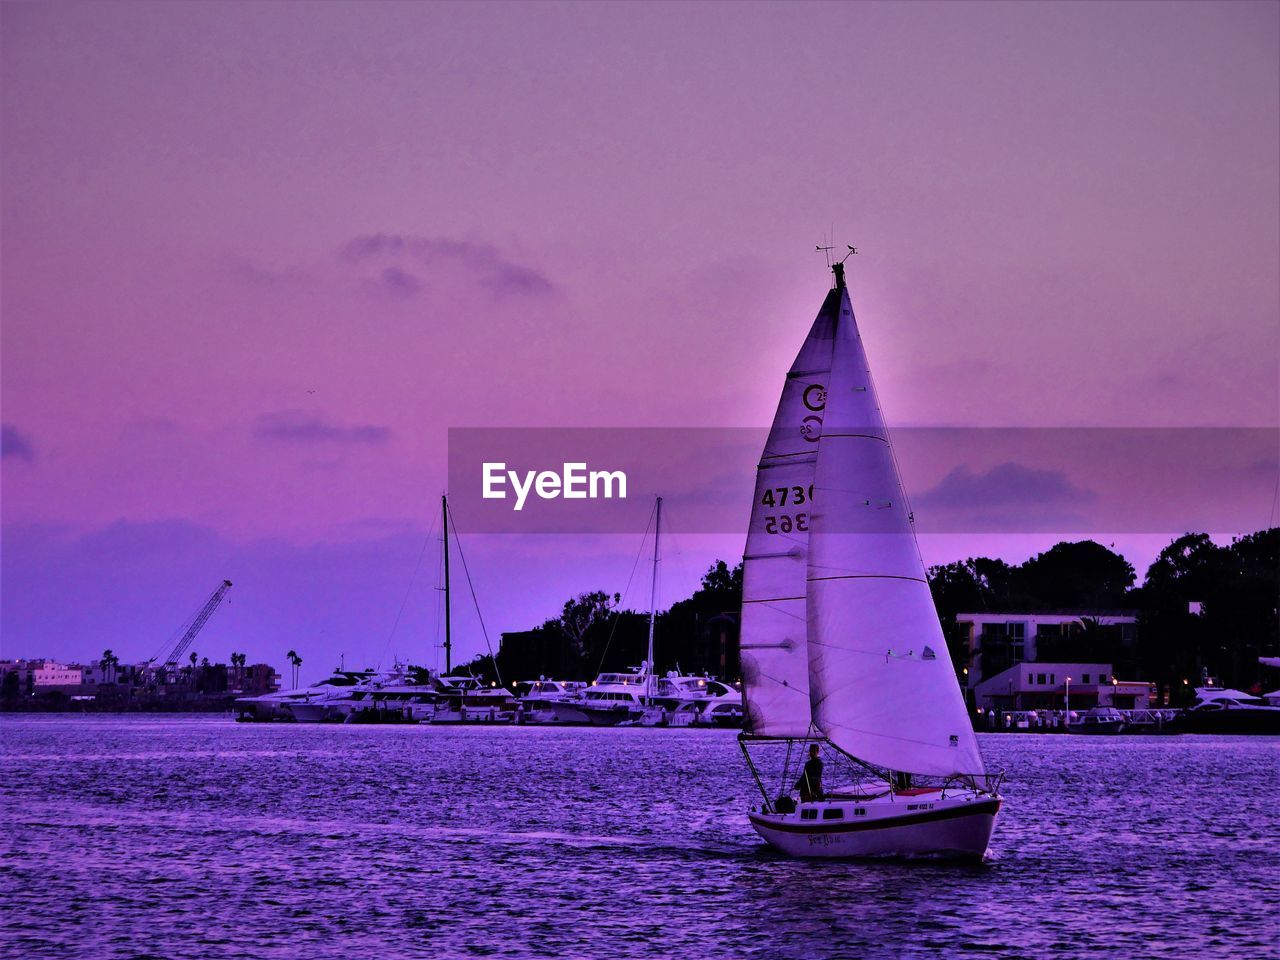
400,282
16,445
295,426
493,271
404,266
1004,485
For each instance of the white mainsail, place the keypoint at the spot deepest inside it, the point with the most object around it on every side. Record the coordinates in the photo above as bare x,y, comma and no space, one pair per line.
775,667
881,682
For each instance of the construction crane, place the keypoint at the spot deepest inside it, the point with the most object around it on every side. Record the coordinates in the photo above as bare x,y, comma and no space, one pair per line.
194,626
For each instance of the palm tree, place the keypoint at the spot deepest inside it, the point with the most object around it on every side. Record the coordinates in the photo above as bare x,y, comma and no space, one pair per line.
109,662
237,661
296,662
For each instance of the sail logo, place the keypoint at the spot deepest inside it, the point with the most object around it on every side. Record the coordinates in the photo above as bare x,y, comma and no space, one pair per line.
815,399
573,482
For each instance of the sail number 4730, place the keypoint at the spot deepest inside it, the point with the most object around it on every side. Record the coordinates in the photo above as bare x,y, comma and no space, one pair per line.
781,496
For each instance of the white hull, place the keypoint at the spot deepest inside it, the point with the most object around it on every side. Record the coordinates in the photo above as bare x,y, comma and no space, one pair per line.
315,711
917,826
580,712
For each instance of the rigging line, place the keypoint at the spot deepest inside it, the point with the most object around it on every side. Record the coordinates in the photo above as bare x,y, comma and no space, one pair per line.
172,639
479,616
785,685
893,456
439,592
801,618
617,614
407,590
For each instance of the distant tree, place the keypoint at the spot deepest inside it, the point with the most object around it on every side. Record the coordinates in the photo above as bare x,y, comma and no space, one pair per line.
109,664
1075,575
295,662
583,612
720,579
1236,587
700,634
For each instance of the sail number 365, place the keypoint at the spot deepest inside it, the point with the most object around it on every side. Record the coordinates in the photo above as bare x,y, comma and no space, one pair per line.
782,497
785,523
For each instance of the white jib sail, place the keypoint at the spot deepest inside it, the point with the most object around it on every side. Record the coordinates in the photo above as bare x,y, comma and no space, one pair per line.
881,682
775,667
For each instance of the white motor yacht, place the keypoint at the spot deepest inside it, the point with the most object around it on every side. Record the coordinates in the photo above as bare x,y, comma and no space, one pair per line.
697,701
276,706
612,698
535,698
466,699
1230,711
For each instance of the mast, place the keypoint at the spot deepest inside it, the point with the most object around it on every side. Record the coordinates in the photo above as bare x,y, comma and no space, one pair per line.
653,596
448,635
881,685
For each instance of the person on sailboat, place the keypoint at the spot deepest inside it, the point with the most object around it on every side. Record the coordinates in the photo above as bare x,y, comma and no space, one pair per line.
810,782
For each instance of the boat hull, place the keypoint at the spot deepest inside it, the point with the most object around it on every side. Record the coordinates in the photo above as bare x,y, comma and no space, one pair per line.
1233,720
315,711
597,716
958,829
1111,727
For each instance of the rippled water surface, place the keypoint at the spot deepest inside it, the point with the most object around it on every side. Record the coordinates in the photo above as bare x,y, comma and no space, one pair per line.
133,837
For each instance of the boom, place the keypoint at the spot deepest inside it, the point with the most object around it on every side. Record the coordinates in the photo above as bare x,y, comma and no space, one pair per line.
197,624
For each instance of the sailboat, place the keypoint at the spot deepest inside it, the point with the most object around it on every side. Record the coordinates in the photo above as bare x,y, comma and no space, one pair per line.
623,698
842,650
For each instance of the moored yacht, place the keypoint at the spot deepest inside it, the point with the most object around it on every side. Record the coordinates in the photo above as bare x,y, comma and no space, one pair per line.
466,699
696,701
387,697
1097,720
624,698
1230,711
535,698
612,698
277,706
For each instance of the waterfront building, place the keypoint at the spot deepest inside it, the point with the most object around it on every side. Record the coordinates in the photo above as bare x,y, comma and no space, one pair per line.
1054,686
257,679
991,643
121,684
51,675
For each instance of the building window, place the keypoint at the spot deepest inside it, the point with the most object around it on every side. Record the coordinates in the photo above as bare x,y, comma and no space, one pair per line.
1017,633
1085,678
1041,679
1053,679
1102,678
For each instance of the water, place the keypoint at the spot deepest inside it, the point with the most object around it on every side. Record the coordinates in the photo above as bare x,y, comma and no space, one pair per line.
144,837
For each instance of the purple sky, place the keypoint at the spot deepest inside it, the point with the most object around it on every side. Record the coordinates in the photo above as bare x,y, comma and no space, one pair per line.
258,258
